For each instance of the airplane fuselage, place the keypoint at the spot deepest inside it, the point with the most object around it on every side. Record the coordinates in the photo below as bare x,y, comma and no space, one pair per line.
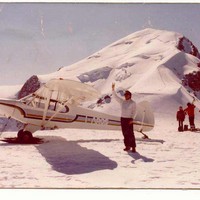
69,117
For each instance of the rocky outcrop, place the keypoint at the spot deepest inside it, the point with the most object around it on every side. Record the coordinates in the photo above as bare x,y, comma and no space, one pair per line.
30,86
187,46
191,80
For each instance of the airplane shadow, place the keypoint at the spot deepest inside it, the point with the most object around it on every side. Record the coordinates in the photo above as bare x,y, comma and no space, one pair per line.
70,158
138,156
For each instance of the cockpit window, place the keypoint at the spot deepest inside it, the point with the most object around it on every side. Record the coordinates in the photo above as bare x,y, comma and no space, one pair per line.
39,102
57,106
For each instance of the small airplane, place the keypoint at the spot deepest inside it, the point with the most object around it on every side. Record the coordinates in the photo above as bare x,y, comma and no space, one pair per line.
56,104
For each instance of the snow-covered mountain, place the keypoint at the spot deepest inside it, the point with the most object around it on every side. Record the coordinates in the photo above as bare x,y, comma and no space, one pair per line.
156,65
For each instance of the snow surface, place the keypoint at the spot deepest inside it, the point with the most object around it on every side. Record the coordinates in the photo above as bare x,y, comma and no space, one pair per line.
95,159
144,63
9,91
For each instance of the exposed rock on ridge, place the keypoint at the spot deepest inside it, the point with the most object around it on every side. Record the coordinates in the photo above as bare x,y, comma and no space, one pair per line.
187,46
30,86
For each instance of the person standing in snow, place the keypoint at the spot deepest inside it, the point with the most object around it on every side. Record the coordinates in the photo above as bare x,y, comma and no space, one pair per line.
128,110
190,112
180,116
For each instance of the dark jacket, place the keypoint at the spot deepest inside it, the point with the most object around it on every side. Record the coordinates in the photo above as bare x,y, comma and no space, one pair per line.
180,115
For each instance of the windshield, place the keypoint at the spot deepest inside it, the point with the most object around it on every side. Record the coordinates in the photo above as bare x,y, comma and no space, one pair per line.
39,102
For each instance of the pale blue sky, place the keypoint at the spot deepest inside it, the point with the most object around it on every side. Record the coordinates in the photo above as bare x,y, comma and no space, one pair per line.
38,38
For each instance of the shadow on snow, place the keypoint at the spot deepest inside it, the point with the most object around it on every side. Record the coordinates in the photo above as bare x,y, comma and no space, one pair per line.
70,158
137,156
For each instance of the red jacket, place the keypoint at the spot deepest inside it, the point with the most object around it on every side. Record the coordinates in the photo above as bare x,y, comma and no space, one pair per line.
190,110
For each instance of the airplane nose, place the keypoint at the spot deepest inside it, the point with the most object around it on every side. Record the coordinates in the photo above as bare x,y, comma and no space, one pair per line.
6,107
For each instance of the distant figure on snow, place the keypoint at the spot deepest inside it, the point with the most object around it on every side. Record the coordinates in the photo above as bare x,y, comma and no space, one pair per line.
180,116
190,112
128,110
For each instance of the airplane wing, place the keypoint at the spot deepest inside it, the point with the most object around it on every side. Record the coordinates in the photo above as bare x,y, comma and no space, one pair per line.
64,90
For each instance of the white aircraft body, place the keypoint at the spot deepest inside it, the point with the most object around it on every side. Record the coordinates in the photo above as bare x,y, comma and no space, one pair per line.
56,105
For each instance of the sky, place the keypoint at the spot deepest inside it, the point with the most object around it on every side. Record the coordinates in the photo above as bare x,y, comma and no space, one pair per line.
39,38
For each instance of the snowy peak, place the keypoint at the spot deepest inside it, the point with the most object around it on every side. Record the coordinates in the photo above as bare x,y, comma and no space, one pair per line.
148,47
150,62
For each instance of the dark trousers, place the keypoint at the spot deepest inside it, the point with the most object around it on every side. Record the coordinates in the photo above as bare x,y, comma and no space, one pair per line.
191,120
128,133
180,123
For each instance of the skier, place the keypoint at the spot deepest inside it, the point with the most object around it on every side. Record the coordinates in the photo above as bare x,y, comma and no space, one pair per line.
128,109
190,112
180,116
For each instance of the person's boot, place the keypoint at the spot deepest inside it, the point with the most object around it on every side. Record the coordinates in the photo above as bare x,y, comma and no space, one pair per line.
133,150
127,149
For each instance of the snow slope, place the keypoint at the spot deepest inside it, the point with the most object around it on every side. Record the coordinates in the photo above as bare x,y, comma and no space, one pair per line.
9,91
147,63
